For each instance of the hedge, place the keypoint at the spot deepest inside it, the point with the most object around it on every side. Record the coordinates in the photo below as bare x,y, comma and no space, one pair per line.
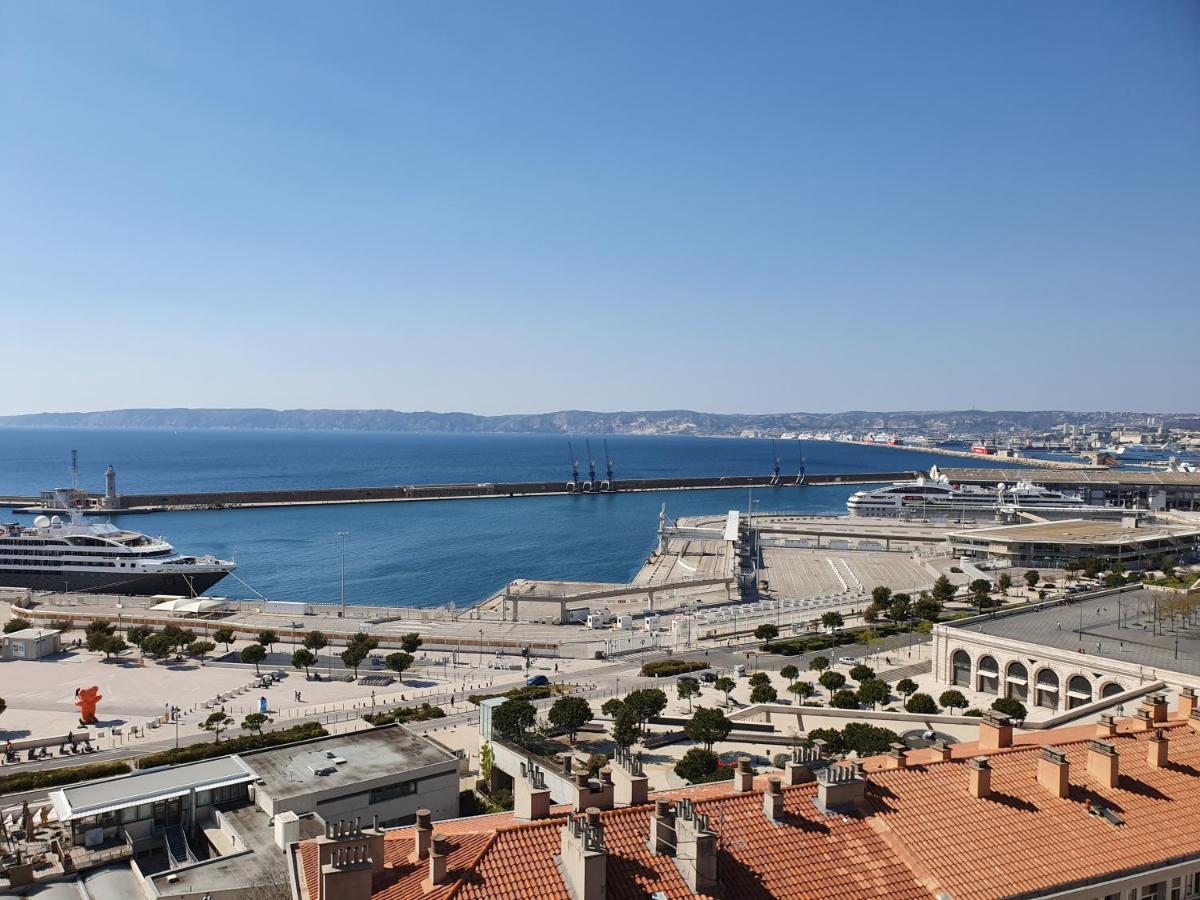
797,646
47,778
195,752
529,692
407,714
667,667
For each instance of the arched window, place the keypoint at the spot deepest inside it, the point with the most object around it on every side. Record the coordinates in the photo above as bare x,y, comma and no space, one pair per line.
1110,689
1079,691
1016,681
988,677
961,662
1047,689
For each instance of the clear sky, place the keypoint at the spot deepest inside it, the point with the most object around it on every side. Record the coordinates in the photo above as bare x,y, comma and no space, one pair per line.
525,206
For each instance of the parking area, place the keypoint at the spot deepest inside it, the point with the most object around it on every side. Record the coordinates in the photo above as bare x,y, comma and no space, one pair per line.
799,573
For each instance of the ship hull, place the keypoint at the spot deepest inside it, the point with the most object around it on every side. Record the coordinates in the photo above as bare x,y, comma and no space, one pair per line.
146,584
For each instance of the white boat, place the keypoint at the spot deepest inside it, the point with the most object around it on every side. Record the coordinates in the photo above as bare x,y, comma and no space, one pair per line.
937,496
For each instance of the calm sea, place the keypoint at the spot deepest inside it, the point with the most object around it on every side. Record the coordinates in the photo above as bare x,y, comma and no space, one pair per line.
422,553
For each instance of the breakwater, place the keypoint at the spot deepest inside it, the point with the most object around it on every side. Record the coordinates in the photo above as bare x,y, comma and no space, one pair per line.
199,500
967,454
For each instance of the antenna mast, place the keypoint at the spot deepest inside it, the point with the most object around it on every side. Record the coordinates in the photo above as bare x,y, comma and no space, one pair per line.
74,470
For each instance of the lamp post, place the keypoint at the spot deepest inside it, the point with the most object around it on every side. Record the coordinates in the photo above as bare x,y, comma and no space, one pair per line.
343,535
481,648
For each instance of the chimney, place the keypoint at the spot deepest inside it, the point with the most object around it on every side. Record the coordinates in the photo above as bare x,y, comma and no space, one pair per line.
662,829
1053,771
995,732
896,754
1157,706
1194,720
422,835
583,857
1156,750
799,769
940,751
1103,763
347,873
439,853
980,771
631,787
598,794
773,799
1143,719
531,797
695,849
1106,726
566,763
1187,703
840,788
743,776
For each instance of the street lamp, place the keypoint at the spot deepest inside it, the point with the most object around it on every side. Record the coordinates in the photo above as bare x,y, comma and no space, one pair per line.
343,535
481,648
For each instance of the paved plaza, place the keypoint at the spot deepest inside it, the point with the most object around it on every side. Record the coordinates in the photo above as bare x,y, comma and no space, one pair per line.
1118,627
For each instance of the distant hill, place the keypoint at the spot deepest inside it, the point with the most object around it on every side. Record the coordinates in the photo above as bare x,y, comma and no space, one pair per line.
677,421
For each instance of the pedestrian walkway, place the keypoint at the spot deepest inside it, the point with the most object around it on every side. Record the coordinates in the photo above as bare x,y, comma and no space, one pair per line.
891,676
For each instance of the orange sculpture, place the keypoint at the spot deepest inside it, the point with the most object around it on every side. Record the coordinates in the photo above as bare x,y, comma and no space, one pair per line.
86,700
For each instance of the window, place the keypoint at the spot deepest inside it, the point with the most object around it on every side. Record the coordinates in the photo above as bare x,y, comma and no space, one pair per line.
392,791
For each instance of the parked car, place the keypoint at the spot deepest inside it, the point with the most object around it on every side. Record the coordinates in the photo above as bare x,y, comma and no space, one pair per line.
847,660
536,680
708,677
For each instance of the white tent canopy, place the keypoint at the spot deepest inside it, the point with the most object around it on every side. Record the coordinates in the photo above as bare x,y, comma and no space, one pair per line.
188,605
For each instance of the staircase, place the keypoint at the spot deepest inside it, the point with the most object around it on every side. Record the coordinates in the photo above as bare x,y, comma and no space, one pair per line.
177,846
891,676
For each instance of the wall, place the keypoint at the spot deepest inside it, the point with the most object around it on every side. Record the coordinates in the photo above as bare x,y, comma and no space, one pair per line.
437,789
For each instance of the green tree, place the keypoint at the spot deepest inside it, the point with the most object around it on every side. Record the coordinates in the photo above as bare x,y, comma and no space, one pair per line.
611,706
178,637
216,723
255,722
832,681
113,646
351,657
267,637
818,663
1092,566
138,634
687,688
696,765
1112,580
789,673
254,653
96,640
1004,582
981,590
867,740
158,646
411,642
881,596
832,620
763,693
953,700
513,718
302,659
1032,577
872,691
802,689
766,632
900,607
944,589
646,704
862,673
315,641
844,699
725,685
922,704
626,727
1010,707
871,613
570,714
1073,568
927,608
906,686
707,726
398,662
98,627
759,678
224,636
198,649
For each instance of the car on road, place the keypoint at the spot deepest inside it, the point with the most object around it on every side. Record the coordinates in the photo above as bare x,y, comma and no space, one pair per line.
847,660
708,677
536,680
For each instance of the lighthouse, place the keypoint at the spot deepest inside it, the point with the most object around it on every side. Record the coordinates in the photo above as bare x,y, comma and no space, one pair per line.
111,500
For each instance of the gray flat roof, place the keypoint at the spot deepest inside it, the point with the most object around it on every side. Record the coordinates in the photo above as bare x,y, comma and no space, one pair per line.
1079,531
80,801
31,633
1093,625
1073,476
364,756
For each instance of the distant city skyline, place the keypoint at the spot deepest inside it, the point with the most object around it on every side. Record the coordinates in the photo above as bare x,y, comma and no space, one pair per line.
532,206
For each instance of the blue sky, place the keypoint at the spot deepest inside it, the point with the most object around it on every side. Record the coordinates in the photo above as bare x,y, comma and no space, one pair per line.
524,206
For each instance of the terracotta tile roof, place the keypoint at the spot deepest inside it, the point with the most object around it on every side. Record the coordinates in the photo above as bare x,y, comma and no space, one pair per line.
920,833
1023,838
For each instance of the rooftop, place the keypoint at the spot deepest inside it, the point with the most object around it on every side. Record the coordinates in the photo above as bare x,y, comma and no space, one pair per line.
919,833
1118,627
29,634
345,759
80,801
1075,531
1073,476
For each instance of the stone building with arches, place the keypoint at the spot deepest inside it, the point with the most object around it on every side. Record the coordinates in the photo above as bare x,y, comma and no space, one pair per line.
1062,655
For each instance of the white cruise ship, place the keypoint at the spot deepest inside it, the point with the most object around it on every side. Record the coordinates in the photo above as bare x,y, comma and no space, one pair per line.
54,555
936,496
